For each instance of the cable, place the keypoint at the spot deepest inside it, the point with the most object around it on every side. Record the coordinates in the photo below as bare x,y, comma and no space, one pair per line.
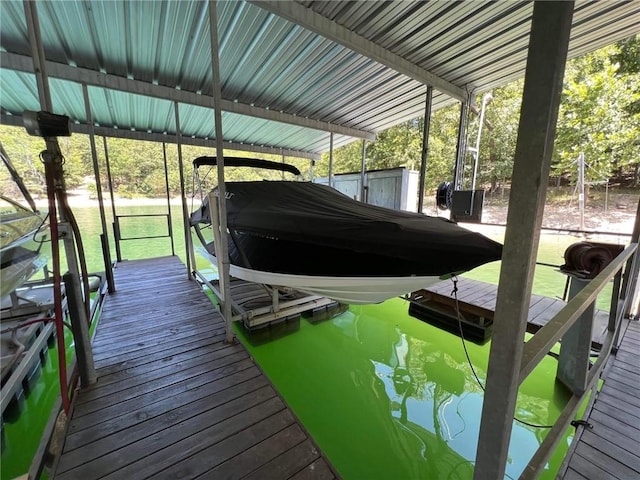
454,293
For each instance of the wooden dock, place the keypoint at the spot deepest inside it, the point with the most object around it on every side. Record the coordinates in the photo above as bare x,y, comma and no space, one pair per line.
173,400
477,303
609,448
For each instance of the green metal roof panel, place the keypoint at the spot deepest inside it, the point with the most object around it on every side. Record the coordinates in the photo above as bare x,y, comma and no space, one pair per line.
297,78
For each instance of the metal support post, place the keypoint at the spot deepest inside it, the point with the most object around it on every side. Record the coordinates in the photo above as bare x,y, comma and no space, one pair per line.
185,211
55,180
166,184
116,226
223,260
331,159
106,253
77,311
461,149
363,169
425,146
581,189
573,363
548,45
80,331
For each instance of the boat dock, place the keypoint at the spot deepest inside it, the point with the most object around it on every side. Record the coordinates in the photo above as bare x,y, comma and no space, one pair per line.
477,302
172,398
608,446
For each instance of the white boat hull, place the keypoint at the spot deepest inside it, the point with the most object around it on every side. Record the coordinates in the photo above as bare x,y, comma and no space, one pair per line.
351,290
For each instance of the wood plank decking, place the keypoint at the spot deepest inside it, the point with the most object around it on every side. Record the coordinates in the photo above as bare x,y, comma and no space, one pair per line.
478,299
610,449
172,399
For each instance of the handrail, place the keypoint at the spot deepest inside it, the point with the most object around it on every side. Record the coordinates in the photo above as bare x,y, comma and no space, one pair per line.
540,344
119,236
558,326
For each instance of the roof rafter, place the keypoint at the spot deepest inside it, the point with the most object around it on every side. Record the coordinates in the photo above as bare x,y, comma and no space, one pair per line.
307,18
93,78
16,121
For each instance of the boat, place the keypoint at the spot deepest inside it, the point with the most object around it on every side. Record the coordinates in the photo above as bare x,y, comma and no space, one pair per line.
20,251
312,238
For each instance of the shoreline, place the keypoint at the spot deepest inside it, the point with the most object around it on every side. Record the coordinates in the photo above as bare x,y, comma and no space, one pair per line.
615,221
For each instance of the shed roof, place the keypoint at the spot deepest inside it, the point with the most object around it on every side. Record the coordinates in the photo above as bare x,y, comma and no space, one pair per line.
291,72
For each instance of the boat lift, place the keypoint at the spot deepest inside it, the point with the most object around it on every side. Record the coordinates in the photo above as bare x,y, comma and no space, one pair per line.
256,305
466,205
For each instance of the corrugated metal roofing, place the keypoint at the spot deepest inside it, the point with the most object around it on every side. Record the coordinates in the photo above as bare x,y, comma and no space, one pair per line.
284,86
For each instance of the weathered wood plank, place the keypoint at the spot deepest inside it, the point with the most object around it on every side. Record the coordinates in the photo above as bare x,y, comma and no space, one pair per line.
211,446
317,470
118,358
614,437
257,455
573,475
631,380
589,470
243,381
142,347
215,454
287,464
95,412
112,451
632,411
607,447
176,347
619,426
615,390
610,449
130,380
172,396
607,463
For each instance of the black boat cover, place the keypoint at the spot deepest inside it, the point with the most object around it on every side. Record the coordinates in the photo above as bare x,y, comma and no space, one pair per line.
308,228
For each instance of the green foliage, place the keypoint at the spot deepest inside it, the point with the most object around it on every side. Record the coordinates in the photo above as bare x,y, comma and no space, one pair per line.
599,116
595,118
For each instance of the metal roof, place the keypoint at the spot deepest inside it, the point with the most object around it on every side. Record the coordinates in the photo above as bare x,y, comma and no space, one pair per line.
291,72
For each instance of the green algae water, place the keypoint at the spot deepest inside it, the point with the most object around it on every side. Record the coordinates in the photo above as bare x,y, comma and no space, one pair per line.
385,395
25,421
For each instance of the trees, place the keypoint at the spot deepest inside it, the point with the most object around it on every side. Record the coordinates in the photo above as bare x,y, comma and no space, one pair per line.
598,117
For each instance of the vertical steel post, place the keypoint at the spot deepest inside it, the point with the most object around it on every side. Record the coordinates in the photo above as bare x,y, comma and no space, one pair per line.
185,211
425,146
461,149
166,184
581,198
363,169
573,361
223,262
106,253
548,44
53,170
630,286
116,226
331,159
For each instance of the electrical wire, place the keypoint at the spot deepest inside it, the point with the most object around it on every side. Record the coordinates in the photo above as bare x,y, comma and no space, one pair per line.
454,293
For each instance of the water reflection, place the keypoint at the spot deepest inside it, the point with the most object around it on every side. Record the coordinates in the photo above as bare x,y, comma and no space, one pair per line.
415,384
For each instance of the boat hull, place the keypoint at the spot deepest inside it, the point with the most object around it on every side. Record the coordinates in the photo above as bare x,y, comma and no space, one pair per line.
18,265
351,290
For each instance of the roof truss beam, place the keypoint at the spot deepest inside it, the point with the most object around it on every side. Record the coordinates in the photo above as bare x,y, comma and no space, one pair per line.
12,61
16,121
307,18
